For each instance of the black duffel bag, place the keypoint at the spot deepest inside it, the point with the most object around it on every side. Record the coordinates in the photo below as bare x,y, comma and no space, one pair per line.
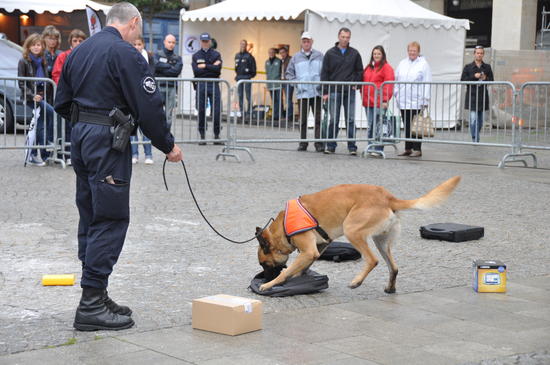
340,251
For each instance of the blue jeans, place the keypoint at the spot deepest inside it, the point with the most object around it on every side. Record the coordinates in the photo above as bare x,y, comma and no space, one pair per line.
288,90
245,89
169,96
373,115
209,91
47,110
476,123
146,146
276,102
336,99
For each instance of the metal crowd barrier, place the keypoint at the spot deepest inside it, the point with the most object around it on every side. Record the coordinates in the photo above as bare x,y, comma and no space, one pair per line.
533,119
265,118
18,121
455,108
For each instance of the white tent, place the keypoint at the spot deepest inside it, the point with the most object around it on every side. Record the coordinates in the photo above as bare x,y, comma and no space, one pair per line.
52,6
391,23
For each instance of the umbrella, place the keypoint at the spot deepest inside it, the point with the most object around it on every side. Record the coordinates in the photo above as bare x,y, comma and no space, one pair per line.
31,134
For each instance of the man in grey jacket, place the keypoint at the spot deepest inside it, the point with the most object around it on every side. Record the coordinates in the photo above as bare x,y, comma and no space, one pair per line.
306,66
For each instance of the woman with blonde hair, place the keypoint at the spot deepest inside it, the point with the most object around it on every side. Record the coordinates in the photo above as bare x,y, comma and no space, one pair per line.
37,94
52,40
412,97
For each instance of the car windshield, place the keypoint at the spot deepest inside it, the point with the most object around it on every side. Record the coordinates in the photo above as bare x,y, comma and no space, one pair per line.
10,54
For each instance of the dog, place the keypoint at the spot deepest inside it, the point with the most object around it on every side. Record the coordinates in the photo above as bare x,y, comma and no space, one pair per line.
360,212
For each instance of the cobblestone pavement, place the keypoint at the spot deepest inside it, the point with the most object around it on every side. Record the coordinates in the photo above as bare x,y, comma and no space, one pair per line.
171,256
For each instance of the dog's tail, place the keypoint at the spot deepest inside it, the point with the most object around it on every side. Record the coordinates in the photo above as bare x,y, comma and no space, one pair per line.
435,197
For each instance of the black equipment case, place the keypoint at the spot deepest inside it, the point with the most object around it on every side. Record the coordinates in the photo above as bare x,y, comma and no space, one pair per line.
453,232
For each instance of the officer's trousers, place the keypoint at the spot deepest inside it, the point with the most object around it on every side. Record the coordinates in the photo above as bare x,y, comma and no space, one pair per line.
209,91
103,207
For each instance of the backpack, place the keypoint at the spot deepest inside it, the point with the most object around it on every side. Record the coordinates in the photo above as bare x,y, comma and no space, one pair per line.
307,283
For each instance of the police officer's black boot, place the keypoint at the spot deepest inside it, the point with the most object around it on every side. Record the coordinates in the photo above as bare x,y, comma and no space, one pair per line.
92,314
114,307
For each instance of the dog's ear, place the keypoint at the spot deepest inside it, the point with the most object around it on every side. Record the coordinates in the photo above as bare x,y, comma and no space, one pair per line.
263,242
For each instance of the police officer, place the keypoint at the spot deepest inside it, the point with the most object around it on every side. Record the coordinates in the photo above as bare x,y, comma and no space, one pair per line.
104,72
168,64
207,64
245,68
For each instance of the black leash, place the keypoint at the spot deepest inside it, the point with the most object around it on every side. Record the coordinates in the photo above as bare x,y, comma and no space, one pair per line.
200,210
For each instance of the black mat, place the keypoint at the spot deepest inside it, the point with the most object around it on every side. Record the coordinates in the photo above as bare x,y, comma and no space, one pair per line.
307,283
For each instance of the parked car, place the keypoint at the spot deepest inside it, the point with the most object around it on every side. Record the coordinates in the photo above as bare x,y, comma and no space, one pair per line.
10,95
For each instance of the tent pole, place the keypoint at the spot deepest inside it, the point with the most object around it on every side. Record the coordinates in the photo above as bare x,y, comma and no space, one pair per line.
306,21
181,40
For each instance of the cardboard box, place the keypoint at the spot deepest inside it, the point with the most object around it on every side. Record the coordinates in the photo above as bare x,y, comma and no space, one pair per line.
489,276
227,314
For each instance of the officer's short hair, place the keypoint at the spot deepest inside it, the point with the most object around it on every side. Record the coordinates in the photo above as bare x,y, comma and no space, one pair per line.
122,13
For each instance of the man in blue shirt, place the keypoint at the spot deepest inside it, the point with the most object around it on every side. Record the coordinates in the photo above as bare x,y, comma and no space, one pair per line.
207,64
105,72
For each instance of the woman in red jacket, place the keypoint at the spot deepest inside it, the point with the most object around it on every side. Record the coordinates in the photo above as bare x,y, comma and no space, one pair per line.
377,71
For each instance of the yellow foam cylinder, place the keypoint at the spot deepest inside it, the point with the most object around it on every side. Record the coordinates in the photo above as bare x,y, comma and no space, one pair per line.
64,279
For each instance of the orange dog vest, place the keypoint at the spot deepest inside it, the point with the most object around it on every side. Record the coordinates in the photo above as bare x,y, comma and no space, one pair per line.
297,218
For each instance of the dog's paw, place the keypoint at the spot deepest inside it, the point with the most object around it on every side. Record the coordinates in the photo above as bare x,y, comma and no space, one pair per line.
354,285
264,287
389,290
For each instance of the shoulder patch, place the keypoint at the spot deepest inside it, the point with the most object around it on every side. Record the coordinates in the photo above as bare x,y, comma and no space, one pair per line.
149,85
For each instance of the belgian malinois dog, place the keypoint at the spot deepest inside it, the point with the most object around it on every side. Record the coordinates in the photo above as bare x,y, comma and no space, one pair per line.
360,212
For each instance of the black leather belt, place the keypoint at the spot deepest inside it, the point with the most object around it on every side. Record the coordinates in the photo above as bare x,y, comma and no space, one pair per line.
94,118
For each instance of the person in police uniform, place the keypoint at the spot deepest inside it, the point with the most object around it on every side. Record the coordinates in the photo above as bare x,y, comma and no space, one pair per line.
104,72
245,69
207,64
168,64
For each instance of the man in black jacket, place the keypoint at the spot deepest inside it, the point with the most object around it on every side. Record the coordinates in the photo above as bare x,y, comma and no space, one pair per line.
207,64
341,63
477,96
245,68
168,64
104,72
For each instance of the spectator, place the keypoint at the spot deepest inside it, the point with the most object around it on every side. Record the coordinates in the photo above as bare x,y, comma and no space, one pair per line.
377,71
75,38
477,97
306,66
411,97
139,44
288,90
245,68
273,69
52,39
207,64
341,63
37,94
168,64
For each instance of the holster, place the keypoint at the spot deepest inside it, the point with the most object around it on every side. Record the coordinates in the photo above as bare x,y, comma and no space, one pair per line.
123,127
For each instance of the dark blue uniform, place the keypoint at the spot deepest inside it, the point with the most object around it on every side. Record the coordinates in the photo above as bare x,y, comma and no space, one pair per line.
208,90
245,69
101,73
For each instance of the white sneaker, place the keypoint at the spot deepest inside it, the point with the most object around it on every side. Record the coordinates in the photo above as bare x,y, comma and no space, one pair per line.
68,162
36,161
149,161
134,160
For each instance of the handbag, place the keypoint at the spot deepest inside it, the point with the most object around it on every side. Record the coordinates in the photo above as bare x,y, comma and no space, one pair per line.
422,125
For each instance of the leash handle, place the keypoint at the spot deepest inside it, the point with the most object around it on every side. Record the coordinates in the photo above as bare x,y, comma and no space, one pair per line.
200,210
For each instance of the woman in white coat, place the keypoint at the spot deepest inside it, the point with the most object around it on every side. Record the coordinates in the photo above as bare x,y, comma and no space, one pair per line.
412,97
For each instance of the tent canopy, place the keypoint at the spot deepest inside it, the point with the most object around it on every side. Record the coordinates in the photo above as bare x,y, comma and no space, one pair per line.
403,12
52,6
